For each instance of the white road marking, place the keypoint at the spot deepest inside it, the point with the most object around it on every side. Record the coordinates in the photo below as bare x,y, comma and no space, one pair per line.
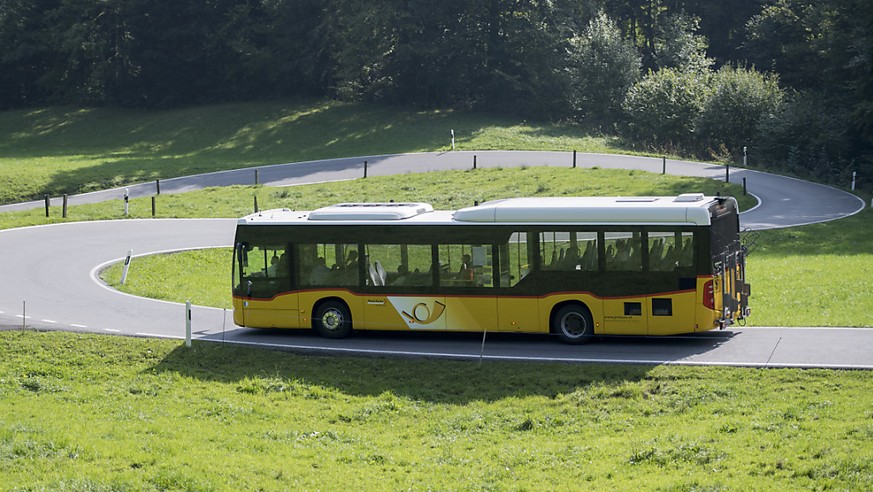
111,330
22,316
48,321
74,325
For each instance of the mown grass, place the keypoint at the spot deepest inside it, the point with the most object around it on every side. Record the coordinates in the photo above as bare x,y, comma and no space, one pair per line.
72,150
88,412
816,275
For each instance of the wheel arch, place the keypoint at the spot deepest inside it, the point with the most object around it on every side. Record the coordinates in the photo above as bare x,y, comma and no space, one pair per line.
560,305
320,302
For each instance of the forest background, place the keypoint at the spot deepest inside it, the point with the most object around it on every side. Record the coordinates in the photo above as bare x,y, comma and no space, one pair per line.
790,82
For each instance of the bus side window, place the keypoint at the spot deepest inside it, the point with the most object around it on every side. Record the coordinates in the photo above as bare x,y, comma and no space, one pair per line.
266,268
465,265
623,252
568,251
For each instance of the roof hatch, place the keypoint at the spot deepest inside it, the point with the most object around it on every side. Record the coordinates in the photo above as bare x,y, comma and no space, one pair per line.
370,211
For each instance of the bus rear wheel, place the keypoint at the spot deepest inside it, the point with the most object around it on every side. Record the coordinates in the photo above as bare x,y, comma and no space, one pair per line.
573,324
332,319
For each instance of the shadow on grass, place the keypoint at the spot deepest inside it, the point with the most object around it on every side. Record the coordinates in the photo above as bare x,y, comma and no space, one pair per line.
423,377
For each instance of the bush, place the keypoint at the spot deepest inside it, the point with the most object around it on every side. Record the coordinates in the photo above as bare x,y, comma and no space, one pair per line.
738,102
661,109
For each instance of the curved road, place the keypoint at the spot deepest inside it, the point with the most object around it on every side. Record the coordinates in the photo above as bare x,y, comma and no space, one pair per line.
55,270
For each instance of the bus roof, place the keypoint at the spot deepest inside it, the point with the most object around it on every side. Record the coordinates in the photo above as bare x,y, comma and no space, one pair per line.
687,209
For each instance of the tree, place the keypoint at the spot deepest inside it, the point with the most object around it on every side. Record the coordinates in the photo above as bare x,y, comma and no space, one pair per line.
603,67
679,46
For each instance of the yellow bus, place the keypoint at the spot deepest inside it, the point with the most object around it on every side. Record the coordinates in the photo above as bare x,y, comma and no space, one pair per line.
575,267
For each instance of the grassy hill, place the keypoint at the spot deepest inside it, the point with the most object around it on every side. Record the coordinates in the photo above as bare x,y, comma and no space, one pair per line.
71,150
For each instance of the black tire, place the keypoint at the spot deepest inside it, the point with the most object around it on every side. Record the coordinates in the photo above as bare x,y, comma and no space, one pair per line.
573,324
332,319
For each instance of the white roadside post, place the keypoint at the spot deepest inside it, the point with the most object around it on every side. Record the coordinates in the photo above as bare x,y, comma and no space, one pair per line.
126,266
453,139
126,200
854,174
188,324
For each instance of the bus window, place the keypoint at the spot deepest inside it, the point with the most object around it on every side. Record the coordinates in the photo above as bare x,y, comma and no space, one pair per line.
623,251
465,265
328,264
516,260
399,264
568,251
669,251
265,270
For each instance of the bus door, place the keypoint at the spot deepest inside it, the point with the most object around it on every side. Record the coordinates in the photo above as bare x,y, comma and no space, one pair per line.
624,284
265,287
518,307
672,282
467,279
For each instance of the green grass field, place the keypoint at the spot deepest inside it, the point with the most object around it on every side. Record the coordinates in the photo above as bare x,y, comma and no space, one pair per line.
70,150
88,412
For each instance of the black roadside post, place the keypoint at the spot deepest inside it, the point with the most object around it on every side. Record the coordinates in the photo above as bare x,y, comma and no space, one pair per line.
744,186
153,206
365,169
574,159
256,203
64,208
47,205
158,186
664,165
257,177
474,161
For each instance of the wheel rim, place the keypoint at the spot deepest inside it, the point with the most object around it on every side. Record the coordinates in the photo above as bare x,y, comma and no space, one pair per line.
573,325
332,320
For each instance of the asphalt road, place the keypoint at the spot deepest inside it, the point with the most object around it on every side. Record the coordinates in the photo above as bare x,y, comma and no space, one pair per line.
50,279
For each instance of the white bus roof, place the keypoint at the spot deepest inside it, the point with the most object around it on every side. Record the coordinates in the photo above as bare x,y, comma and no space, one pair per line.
687,209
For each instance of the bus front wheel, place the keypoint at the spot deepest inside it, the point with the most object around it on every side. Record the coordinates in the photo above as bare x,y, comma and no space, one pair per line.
332,319
573,324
